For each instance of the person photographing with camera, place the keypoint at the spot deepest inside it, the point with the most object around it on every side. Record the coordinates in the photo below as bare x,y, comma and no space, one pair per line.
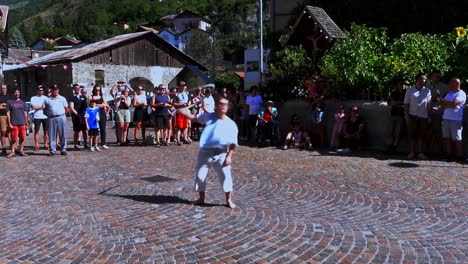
122,116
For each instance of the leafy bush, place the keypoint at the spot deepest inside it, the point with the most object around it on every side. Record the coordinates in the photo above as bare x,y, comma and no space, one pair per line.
288,69
365,63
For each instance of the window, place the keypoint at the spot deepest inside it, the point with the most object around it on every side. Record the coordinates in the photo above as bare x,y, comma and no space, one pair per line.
99,77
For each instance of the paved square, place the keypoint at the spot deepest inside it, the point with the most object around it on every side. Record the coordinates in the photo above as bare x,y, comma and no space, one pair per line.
131,204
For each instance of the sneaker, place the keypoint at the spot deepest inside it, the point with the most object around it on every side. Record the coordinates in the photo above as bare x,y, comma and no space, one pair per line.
52,153
97,148
105,147
157,145
411,155
92,149
421,156
64,152
76,148
346,150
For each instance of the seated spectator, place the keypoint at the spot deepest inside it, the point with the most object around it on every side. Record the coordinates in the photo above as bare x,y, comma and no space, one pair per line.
340,119
267,123
297,137
353,136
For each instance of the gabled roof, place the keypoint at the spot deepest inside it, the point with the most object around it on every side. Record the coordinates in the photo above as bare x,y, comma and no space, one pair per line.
315,16
77,54
185,14
145,28
4,18
23,55
192,29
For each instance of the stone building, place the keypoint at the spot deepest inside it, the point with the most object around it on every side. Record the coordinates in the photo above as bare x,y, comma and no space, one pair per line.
141,58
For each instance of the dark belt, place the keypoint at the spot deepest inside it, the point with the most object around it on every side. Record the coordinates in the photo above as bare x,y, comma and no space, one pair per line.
56,116
215,150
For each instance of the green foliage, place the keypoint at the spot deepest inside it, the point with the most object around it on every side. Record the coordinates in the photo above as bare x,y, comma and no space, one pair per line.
227,80
356,63
365,64
200,47
288,70
419,53
459,58
17,40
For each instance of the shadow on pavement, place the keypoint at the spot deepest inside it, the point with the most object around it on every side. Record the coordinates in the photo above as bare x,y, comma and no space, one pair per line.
153,199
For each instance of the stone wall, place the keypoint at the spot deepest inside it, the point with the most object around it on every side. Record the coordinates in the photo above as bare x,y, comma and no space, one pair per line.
376,115
84,74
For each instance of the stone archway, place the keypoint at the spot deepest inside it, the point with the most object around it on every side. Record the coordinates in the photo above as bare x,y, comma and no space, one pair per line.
147,85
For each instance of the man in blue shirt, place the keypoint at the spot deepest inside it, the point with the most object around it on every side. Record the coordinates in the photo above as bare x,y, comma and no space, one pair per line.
217,144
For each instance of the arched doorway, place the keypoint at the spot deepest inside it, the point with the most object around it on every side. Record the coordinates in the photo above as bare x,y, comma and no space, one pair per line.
147,85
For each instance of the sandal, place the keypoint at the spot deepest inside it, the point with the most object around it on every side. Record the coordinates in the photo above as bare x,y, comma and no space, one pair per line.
11,155
22,154
36,148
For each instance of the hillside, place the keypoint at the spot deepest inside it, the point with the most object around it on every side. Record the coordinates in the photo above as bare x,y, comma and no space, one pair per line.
91,20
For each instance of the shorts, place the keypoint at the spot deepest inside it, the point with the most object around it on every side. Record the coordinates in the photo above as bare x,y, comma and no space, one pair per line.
417,127
39,122
3,124
452,129
139,115
182,121
123,116
78,124
93,132
18,132
317,116
397,125
162,121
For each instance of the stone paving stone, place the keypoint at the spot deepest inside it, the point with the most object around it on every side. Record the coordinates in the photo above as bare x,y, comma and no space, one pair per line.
294,207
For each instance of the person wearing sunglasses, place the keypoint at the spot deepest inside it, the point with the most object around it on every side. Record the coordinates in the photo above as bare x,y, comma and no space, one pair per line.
40,119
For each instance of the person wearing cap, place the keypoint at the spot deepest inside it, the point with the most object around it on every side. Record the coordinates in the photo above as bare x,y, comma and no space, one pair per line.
57,107
161,103
217,144
267,122
40,119
77,104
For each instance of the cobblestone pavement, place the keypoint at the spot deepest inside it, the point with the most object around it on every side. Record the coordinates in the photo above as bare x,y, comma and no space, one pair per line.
294,207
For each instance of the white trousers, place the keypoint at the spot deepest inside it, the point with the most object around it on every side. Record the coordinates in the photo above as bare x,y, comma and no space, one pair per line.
215,159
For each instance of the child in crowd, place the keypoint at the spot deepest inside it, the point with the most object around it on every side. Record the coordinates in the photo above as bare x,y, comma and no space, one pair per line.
340,119
297,137
91,116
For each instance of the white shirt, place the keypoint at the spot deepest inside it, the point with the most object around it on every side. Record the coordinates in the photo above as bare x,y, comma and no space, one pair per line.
209,104
39,101
141,99
418,101
218,133
255,104
56,106
457,112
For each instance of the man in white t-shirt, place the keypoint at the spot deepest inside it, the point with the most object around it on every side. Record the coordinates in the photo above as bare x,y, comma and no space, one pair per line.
40,119
418,107
217,144
254,101
453,104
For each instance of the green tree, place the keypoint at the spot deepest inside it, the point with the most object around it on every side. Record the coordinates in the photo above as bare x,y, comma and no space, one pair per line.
17,40
288,70
200,47
355,66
